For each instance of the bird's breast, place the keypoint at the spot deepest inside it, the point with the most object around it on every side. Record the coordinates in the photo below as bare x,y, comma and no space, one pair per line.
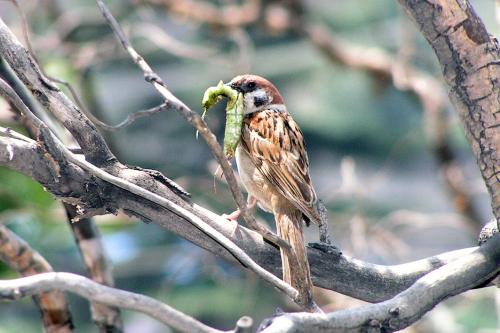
253,180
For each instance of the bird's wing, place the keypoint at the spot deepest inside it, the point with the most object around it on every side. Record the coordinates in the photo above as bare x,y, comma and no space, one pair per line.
276,146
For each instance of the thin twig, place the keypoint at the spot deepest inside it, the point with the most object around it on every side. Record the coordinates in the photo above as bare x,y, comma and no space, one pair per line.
5,131
16,253
130,118
194,119
349,276
76,97
7,92
93,291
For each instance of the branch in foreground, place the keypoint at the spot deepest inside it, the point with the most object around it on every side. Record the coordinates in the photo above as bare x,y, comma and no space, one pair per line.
397,313
407,307
34,285
340,273
22,258
365,281
85,232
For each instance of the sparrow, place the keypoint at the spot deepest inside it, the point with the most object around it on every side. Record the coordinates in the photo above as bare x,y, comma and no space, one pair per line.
273,166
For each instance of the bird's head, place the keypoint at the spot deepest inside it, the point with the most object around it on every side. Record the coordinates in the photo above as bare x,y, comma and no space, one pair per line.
258,93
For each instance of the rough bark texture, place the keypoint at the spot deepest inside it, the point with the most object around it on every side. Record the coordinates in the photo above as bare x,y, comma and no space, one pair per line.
89,242
407,307
85,232
23,259
369,282
52,99
470,60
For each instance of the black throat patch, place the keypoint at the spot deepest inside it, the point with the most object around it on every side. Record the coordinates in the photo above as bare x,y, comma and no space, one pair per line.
259,100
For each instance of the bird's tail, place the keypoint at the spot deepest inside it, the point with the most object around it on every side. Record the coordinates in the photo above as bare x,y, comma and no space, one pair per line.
297,274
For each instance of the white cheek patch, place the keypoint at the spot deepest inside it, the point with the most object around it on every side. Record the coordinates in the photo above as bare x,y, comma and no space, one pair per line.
256,100
260,94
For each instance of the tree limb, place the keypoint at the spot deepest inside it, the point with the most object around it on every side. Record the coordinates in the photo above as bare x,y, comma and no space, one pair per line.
16,253
403,310
52,99
59,157
194,119
470,59
33,285
349,276
89,241
85,232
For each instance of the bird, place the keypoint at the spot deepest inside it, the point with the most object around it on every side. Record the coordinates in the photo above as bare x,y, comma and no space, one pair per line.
273,166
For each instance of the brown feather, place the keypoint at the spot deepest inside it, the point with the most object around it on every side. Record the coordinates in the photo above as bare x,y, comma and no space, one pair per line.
298,275
281,157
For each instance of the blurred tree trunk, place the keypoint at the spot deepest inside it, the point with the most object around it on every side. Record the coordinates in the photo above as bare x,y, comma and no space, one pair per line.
470,59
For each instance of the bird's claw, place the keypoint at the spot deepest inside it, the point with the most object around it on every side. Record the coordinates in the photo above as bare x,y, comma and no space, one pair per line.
326,248
232,216
152,77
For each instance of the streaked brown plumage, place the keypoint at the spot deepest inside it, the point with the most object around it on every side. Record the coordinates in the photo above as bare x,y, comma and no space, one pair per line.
274,168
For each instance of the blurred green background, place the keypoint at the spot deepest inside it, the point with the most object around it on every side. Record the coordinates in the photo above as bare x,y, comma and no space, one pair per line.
368,149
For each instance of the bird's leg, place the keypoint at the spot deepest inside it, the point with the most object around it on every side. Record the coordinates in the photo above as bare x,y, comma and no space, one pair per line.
324,235
251,202
325,244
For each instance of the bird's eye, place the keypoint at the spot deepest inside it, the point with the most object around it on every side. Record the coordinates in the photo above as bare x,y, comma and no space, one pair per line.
251,85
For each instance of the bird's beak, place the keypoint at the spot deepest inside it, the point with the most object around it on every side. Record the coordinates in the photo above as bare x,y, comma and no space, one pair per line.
232,85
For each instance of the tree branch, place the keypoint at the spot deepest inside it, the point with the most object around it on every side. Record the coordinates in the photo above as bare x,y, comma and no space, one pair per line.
470,59
85,232
59,157
118,189
194,119
89,241
52,99
84,287
16,253
403,310
365,281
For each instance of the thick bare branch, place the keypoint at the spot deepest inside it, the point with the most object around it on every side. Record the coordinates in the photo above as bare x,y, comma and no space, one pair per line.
405,308
52,99
372,283
16,253
89,242
195,119
86,233
470,60
59,157
34,285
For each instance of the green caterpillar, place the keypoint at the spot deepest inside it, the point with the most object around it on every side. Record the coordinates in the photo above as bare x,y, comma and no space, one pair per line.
234,114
